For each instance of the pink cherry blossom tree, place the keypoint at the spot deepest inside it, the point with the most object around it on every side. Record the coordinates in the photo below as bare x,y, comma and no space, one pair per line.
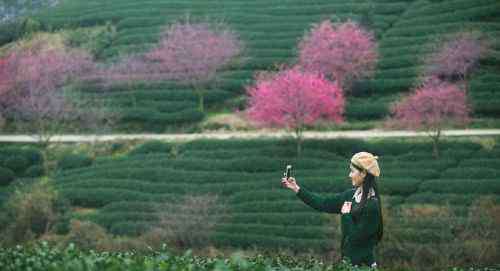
430,107
192,53
34,95
455,58
292,99
342,51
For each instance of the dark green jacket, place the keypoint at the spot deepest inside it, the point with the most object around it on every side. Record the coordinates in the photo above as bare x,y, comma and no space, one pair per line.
358,238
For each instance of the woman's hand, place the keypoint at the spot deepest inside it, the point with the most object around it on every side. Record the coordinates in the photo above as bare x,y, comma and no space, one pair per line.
290,184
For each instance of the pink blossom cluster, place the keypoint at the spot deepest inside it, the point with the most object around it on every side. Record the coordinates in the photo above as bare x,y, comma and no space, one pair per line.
343,51
456,58
193,52
31,77
293,98
431,105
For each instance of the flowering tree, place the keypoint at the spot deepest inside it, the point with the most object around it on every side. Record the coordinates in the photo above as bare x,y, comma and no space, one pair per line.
34,95
192,53
345,52
293,99
456,58
430,107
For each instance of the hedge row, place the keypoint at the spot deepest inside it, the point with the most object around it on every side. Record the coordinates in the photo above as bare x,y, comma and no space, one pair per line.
130,228
449,198
342,147
449,6
161,174
109,219
482,172
96,198
252,240
305,232
366,110
135,39
423,236
72,161
150,117
276,206
479,11
156,190
311,218
19,162
461,186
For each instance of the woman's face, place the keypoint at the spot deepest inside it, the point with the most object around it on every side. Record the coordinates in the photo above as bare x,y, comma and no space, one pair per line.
357,177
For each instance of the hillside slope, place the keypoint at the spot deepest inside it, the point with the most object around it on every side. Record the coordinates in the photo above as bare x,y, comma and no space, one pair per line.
270,31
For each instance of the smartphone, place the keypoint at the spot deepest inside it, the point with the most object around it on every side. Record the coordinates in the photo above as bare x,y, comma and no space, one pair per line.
288,172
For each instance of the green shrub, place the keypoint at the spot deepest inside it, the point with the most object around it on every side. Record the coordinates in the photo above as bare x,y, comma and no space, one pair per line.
17,28
472,173
18,164
271,206
442,199
403,187
33,155
461,186
71,161
6,176
150,147
131,228
366,111
305,232
34,171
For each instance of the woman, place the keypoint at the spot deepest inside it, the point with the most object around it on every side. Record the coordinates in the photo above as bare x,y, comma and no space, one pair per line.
361,220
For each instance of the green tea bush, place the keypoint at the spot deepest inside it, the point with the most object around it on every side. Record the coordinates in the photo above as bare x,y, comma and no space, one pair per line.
151,147
31,154
71,161
472,173
95,198
130,206
6,176
18,164
34,171
461,186
260,240
366,111
131,228
403,186
440,199
296,218
271,206
305,232
109,219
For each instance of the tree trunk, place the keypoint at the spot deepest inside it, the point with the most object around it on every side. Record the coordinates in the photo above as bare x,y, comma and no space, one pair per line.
298,137
435,142
201,102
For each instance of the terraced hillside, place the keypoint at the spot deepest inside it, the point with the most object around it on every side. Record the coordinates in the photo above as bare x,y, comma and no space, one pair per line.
271,31
126,192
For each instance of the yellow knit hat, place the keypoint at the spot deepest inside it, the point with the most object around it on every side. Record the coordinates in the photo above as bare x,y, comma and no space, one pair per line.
367,161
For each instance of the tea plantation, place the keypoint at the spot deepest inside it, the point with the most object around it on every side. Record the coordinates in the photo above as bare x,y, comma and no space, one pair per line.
405,31
127,191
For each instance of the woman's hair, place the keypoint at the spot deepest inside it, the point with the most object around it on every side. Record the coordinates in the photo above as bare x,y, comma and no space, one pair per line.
357,211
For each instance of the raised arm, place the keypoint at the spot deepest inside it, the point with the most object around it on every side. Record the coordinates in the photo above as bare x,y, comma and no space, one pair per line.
329,204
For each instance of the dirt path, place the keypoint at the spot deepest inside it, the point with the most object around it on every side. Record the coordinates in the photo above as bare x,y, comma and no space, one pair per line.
246,135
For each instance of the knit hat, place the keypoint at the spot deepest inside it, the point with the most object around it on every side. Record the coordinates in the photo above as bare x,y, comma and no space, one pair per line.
367,161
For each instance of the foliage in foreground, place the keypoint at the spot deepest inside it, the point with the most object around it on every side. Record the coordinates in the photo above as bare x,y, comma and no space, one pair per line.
43,257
